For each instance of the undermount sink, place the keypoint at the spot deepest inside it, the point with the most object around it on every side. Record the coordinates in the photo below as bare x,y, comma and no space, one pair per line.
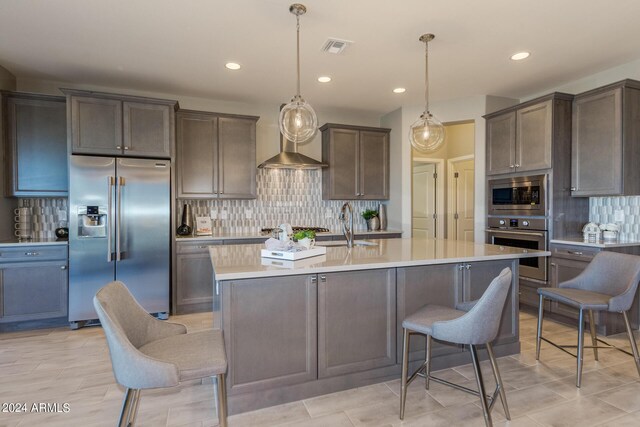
344,243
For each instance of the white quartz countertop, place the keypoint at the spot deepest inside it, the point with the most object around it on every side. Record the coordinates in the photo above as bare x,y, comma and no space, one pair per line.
244,261
600,244
266,236
31,242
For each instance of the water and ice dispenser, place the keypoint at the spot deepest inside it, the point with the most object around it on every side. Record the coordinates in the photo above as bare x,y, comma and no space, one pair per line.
92,221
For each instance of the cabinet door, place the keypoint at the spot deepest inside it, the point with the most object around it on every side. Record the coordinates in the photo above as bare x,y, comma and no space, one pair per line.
477,277
374,165
418,286
197,156
596,148
195,279
34,291
340,150
36,147
270,331
96,126
147,129
237,158
356,321
533,137
501,136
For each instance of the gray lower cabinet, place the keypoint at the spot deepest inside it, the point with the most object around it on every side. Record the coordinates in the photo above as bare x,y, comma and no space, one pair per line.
33,283
356,321
194,274
216,155
270,330
418,286
358,159
35,137
605,149
120,125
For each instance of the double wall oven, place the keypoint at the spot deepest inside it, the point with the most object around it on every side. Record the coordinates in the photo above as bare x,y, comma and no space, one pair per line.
518,218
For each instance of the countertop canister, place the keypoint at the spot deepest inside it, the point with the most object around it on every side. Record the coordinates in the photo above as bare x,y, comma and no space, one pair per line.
382,215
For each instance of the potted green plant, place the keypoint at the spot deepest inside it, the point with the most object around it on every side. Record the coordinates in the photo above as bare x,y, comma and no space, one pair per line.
371,216
306,238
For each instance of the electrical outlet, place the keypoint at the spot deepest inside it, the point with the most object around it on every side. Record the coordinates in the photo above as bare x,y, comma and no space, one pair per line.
224,214
618,215
328,213
62,215
248,213
213,214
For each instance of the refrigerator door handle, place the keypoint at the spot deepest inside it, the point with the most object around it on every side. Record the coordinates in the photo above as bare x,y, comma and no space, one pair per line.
119,217
110,182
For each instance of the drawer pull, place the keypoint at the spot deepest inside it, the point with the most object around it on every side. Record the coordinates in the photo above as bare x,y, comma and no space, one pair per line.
575,252
32,253
203,247
63,267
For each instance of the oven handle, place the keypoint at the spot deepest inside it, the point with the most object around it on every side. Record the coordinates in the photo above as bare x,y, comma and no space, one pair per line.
525,233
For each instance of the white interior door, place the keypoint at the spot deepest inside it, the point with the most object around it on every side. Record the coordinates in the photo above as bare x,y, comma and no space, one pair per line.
462,200
424,201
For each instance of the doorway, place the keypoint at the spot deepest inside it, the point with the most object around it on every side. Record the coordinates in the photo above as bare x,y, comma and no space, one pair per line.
428,198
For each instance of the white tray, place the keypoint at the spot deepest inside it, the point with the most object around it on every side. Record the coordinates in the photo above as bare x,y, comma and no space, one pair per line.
292,256
285,263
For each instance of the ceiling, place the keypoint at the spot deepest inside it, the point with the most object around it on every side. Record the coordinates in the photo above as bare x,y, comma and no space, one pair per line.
180,47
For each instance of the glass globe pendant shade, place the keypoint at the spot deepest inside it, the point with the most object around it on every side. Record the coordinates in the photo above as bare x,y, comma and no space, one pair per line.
298,121
426,133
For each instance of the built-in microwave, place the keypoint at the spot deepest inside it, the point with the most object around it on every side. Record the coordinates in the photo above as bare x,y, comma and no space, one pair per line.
522,195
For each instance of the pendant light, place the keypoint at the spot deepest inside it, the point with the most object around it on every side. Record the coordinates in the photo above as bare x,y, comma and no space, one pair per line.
298,122
426,133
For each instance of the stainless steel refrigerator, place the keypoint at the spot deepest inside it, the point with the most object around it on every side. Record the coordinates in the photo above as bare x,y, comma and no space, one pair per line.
119,229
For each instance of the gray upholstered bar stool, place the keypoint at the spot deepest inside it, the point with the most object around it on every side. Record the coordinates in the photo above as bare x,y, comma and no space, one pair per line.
609,283
148,353
472,323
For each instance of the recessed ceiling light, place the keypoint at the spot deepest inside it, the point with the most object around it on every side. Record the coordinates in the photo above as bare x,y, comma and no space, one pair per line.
232,65
399,90
520,56
324,79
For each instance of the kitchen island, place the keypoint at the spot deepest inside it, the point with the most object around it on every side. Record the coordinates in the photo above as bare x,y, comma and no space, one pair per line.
299,329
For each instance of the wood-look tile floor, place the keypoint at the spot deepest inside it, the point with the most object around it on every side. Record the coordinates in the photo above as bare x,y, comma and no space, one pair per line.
63,366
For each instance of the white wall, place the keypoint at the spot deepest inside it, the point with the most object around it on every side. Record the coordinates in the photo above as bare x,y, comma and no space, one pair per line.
267,132
393,120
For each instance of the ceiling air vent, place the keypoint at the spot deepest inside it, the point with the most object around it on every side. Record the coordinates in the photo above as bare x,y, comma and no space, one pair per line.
335,45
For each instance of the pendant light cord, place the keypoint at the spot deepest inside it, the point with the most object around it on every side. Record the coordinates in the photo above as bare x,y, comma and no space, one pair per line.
298,53
426,76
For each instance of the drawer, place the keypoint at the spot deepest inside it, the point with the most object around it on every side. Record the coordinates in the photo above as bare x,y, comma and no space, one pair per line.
194,248
578,253
33,253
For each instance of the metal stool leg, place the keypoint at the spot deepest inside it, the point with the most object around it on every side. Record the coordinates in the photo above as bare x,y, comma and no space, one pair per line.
427,359
481,391
580,348
221,400
128,405
594,339
405,369
632,340
498,378
539,333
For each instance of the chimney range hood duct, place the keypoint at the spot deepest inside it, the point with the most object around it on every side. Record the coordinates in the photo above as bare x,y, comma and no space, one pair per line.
289,158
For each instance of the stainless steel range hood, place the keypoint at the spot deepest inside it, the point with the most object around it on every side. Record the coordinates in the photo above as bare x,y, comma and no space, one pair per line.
289,158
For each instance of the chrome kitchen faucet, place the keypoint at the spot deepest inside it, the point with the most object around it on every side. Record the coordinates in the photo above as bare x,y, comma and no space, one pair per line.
347,230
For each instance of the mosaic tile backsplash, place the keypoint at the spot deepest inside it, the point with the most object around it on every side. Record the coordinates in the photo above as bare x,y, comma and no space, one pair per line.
293,196
46,215
602,210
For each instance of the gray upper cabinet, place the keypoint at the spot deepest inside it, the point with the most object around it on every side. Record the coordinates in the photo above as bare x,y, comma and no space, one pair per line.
501,148
605,142
216,155
120,125
522,139
35,138
358,159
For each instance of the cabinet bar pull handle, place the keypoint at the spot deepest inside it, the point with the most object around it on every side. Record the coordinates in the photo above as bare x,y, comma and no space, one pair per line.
32,253
512,166
323,278
314,279
553,264
63,267
517,165
575,252
118,147
573,188
468,266
109,217
126,148
461,267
